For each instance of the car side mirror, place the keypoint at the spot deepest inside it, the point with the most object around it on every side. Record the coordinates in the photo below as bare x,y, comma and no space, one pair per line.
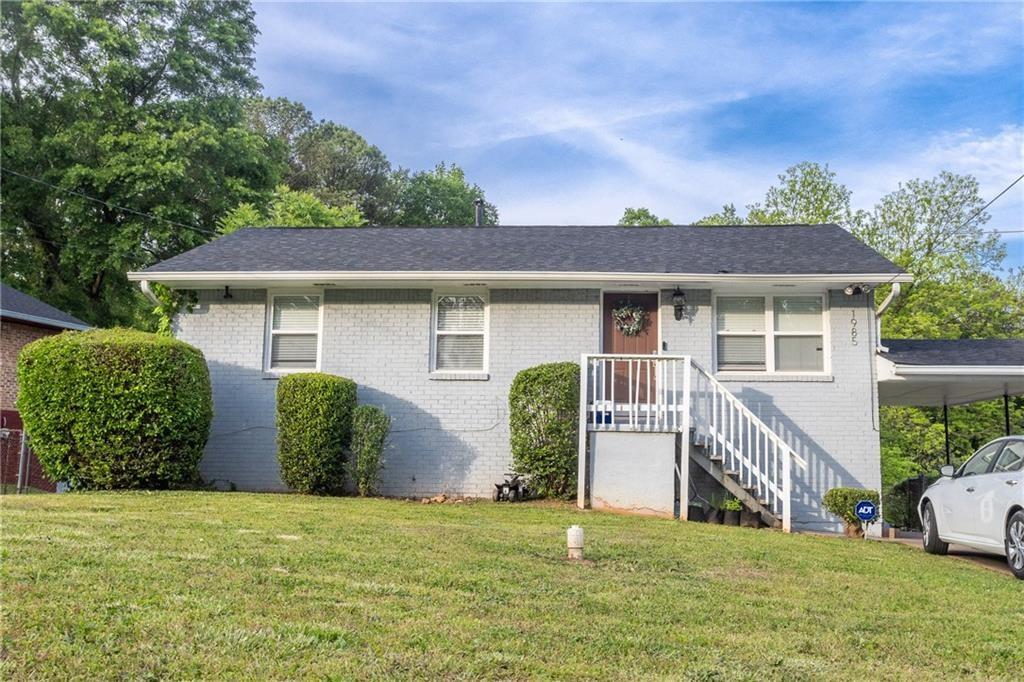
947,470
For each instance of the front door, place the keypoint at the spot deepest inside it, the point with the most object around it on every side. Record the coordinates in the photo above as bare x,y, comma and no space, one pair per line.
631,334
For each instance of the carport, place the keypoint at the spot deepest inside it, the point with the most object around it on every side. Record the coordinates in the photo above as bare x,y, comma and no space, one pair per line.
944,372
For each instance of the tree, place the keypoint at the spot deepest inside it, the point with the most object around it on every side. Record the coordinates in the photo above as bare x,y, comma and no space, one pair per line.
807,193
727,216
642,217
933,228
123,142
289,208
442,196
333,162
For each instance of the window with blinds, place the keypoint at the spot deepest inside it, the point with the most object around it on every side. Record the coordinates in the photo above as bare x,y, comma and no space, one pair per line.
741,333
770,334
460,333
294,331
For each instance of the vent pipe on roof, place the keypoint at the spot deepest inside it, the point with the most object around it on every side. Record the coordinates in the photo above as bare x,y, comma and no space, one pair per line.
478,206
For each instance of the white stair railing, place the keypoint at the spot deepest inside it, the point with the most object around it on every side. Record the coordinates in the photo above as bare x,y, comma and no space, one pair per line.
659,393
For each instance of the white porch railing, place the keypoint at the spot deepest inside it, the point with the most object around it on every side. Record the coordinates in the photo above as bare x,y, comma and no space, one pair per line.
672,393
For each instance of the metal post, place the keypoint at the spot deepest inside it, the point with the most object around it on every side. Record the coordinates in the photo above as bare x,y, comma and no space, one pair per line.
945,423
1006,412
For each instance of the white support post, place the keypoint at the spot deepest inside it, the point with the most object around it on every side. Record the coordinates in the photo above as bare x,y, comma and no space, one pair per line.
684,437
581,471
787,492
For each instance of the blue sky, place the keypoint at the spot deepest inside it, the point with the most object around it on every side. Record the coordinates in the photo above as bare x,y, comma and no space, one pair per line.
569,113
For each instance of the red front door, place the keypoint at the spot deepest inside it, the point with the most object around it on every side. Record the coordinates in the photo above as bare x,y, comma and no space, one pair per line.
643,343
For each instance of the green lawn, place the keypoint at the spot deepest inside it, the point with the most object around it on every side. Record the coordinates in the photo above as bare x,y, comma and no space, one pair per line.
191,585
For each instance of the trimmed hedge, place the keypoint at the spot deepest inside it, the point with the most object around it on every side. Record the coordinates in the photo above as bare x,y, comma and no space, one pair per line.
314,426
544,426
115,408
842,502
370,428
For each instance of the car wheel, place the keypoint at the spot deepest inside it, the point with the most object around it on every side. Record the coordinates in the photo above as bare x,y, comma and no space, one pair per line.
930,539
1015,544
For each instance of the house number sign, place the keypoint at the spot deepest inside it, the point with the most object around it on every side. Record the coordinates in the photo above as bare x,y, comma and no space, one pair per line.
853,328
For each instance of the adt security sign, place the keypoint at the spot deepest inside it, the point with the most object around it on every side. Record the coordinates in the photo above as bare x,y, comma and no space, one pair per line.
866,511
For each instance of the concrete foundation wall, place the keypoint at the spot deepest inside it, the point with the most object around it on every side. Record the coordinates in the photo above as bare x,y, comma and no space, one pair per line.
633,472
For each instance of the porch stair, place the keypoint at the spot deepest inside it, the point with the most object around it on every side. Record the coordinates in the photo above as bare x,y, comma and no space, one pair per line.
673,393
729,479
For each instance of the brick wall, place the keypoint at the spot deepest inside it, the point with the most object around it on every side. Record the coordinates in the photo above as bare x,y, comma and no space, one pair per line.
452,436
13,336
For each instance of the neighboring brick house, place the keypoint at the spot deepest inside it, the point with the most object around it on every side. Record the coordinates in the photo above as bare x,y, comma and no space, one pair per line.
23,319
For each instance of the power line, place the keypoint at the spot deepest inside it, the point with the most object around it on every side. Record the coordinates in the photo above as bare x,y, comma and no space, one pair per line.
110,205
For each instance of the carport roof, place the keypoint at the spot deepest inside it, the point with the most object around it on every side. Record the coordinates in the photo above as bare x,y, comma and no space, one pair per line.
936,372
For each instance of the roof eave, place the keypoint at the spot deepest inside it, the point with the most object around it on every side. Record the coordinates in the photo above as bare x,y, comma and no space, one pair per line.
42,321
210,278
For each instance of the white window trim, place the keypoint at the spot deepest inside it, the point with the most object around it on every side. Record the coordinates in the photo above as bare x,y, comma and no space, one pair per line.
486,296
770,333
269,330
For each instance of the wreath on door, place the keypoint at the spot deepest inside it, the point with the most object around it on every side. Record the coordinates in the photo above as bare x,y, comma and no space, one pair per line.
630,318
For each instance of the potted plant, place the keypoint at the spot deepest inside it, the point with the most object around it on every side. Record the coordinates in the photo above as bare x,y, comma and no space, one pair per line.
732,508
695,512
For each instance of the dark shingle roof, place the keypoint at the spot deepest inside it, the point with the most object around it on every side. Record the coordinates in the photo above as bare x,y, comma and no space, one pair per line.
768,250
990,352
19,306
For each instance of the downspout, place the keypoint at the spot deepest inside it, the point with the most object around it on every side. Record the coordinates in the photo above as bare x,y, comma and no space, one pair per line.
144,285
893,294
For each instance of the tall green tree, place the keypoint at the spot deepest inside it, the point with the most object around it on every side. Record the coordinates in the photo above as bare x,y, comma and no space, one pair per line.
807,193
290,208
442,196
115,112
333,162
642,217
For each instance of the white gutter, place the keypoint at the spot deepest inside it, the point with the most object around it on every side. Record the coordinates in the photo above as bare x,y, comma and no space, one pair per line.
959,370
306,276
44,321
893,294
144,285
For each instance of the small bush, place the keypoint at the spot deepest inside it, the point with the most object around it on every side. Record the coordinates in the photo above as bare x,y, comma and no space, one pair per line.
115,408
842,503
370,427
314,426
544,426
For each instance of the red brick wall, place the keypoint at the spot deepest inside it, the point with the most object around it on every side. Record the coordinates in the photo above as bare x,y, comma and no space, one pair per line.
13,336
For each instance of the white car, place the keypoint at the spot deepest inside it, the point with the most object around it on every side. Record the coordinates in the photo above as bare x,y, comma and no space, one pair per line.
980,505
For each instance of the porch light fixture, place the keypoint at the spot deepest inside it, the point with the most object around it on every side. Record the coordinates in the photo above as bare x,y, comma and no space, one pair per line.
678,302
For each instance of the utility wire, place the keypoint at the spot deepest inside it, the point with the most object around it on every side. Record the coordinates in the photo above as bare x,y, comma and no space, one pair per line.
110,205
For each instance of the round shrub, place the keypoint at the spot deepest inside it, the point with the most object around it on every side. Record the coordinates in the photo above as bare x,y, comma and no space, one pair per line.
842,502
544,426
314,426
115,408
370,427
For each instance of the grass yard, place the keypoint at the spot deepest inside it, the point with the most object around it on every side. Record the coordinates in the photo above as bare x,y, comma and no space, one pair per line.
189,585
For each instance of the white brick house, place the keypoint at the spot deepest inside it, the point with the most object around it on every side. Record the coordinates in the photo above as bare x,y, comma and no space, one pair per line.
434,323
